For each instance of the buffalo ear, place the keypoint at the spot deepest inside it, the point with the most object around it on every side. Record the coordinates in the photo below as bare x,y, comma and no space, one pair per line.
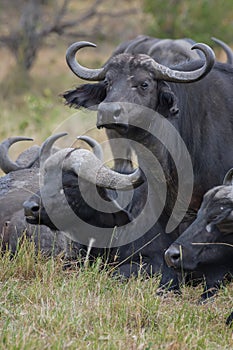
167,101
85,95
228,179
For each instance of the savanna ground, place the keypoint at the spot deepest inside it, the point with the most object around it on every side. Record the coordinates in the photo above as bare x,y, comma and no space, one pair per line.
43,305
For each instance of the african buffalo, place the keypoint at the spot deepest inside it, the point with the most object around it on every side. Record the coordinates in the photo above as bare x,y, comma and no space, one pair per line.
168,52
195,98
46,241
21,180
140,254
165,51
207,245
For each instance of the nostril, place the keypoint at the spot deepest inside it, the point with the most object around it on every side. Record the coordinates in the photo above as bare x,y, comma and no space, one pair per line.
31,208
108,112
175,257
172,256
35,208
117,113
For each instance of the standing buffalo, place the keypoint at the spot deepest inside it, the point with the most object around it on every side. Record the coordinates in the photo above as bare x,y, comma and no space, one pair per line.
195,98
201,109
164,51
207,245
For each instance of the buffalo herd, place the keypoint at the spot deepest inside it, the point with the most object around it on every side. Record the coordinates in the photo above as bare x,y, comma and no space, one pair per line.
170,102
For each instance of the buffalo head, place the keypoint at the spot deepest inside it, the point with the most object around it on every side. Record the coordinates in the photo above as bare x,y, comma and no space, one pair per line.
208,240
136,79
82,172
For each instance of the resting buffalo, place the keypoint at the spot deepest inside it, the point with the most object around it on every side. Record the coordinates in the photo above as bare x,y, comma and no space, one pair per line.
46,241
207,245
21,180
78,178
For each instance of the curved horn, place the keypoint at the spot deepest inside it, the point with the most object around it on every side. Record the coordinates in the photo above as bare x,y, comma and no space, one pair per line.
77,69
228,51
45,150
168,74
6,164
228,179
97,149
85,164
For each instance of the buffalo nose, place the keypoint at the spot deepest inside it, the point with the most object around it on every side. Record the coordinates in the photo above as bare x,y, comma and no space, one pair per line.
31,208
173,256
108,113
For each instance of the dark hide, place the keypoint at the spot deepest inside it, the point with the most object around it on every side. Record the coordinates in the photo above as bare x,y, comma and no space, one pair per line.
45,240
166,51
207,245
203,116
15,188
144,255
86,95
229,319
202,112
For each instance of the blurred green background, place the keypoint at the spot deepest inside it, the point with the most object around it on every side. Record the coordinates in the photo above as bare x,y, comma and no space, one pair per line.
35,34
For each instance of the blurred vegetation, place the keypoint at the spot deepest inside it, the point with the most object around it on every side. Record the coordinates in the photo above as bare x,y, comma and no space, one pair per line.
198,20
36,20
27,27
29,97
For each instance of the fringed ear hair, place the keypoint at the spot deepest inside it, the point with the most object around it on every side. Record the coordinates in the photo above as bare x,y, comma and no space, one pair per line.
167,101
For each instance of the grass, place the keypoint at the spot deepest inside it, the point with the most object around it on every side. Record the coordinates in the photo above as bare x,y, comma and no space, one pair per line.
44,306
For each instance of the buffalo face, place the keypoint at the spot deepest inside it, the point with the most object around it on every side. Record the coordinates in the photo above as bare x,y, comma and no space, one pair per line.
135,79
209,238
75,183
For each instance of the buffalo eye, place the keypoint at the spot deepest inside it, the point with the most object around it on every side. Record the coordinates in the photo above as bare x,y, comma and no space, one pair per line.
144,85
